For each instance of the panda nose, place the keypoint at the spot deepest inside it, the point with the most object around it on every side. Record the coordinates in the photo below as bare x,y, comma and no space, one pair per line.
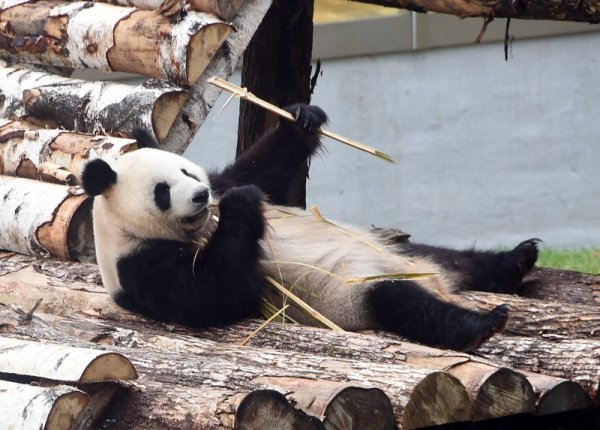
200,197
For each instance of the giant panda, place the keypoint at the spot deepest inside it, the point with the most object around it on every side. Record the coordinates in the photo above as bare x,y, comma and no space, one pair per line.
179,244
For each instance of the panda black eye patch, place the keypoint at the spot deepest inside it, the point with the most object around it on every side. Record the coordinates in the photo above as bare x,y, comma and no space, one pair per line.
190,175
162,196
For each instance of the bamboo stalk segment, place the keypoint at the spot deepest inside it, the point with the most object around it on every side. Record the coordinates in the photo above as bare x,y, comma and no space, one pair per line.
244,94
110,38
62,362
53,155
44,219
28,407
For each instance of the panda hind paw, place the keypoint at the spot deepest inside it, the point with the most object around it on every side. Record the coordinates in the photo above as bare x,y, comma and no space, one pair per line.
527,254
309,117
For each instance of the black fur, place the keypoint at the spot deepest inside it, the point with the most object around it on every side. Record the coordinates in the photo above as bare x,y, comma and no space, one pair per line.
406,308
162,196
274,161
496,272
97,176
144,139
167,281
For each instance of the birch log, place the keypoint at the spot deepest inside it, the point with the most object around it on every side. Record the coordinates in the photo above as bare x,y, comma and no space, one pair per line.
27,407
62,362
53,155
204,95
90,107
45,219
110,38
224,9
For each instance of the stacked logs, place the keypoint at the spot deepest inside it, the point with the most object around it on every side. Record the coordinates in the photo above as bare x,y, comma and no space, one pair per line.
308,376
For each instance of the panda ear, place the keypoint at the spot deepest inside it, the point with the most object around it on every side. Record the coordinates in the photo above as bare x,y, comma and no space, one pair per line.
144,139
97,176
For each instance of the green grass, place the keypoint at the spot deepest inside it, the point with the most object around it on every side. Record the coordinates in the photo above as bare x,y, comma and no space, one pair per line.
585,260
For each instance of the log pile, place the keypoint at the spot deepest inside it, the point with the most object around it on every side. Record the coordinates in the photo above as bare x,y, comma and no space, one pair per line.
308,376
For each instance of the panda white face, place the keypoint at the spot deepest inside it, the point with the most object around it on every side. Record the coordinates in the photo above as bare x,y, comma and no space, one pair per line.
157,195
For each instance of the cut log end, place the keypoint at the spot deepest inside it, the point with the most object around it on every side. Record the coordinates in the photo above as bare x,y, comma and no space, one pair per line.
109,367
165,111
566,396
503,393
360,408
439,398
65,410
265,409
201,49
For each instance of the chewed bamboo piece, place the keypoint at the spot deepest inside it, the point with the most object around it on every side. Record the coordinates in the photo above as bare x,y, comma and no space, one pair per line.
248,96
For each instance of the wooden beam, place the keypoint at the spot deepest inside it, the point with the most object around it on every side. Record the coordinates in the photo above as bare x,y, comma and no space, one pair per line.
566,10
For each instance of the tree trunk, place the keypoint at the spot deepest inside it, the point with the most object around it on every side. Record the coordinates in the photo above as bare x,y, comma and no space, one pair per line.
111,38
280,49
569,10
90,107
203,95
224,9
52,155
45,219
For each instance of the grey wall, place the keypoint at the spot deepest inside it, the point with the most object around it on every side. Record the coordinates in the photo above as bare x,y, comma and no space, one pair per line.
488,152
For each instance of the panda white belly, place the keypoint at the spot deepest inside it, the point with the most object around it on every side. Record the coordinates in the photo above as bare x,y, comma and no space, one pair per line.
329,265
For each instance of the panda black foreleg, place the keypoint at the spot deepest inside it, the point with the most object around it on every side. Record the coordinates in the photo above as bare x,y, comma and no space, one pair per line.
275,160
408,309
498,272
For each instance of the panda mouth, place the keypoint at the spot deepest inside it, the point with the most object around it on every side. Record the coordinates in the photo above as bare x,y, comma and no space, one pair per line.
193,219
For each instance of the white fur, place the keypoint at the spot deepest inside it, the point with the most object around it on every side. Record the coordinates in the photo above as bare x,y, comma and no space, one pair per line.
323,263
125,214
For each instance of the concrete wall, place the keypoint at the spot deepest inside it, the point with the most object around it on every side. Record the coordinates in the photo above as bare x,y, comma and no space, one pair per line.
488,152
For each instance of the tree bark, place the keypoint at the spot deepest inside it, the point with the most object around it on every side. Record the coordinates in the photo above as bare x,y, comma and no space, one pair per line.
90,107
569,10
204,95
27,407
111,38
62,362
52,155
45,219
280,49
563,286
224,9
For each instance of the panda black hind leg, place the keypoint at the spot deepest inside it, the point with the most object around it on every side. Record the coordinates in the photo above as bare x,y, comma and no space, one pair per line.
497,272
406,308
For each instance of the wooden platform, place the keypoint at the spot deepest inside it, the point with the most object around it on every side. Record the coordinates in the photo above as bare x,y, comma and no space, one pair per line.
546,362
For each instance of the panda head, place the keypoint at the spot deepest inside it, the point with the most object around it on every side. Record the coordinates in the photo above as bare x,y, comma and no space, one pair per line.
150,194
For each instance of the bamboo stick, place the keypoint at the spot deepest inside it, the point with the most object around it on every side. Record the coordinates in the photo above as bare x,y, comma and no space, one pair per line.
248,96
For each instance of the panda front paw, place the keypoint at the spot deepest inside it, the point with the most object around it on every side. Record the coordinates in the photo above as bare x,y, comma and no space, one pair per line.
309,117
243,207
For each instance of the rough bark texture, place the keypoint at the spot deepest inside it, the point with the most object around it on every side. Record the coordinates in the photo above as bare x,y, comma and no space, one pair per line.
569,10
53,155
62,363
204,95
90,107
563,286
110,38
281,49
45,219
27,407
225,9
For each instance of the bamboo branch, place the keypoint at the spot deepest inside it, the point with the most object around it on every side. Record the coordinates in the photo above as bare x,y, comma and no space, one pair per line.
248,96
